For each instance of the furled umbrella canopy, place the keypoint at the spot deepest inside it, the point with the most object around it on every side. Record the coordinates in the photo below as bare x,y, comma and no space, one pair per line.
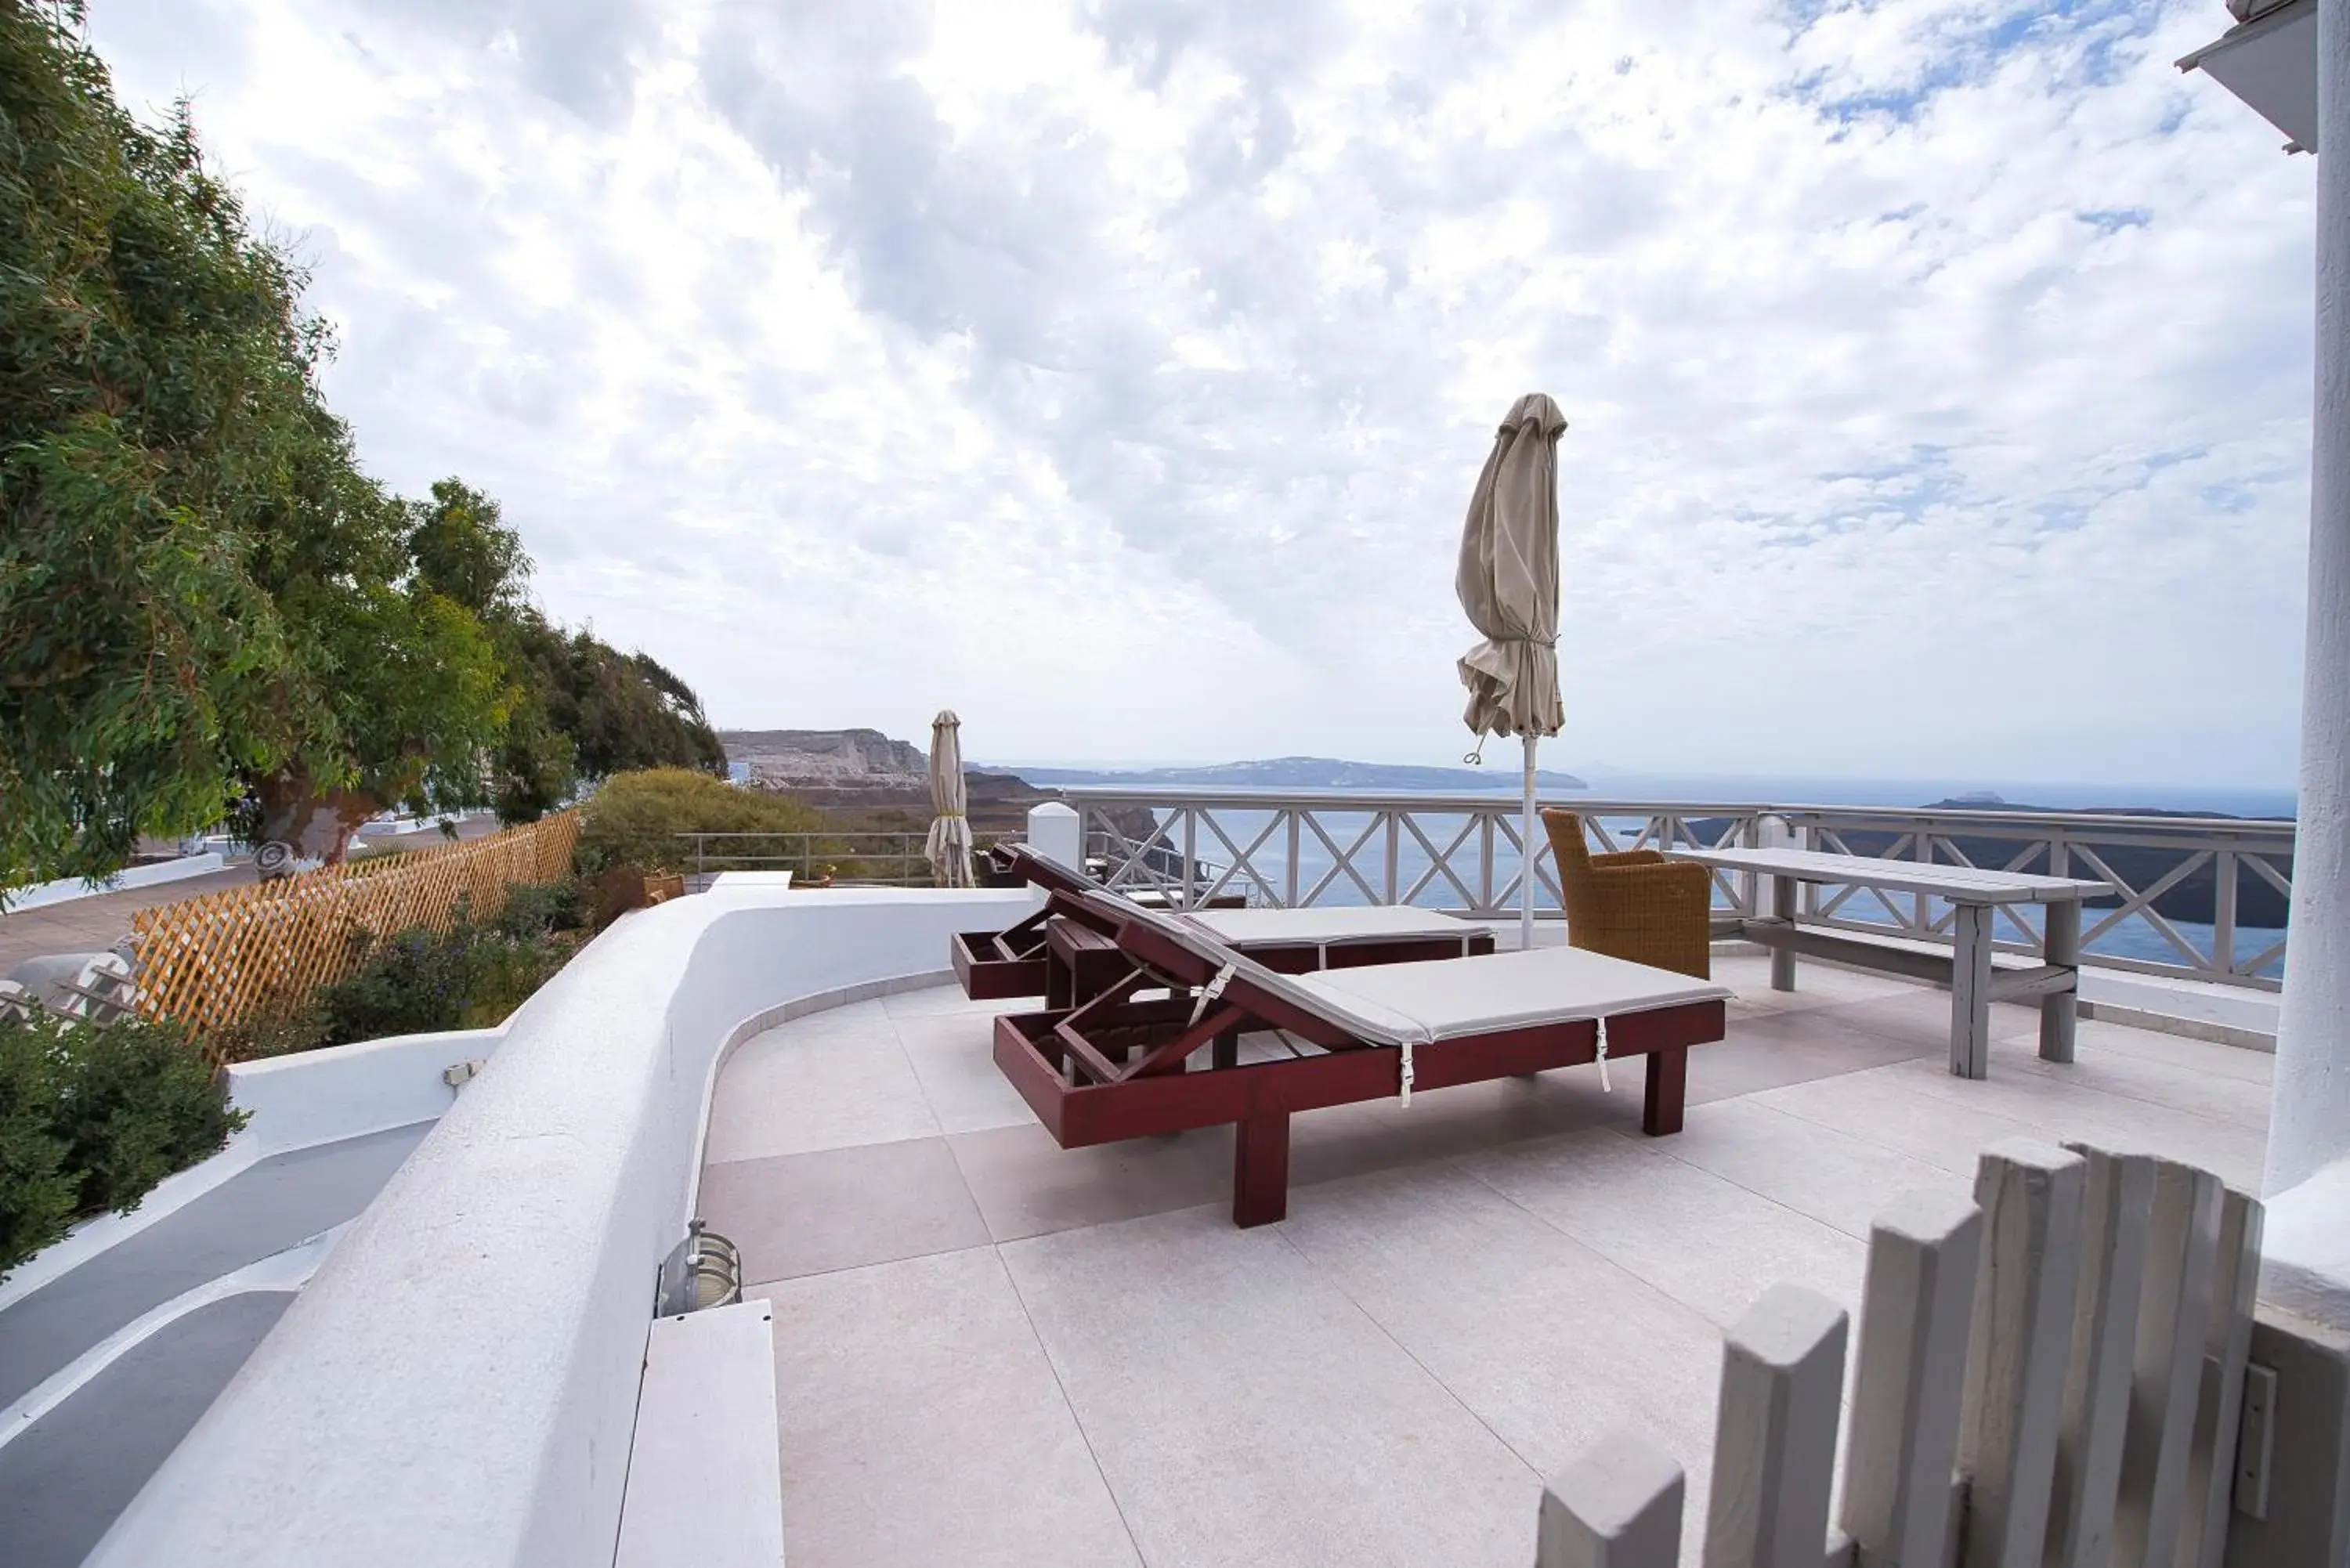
1508,582
949,845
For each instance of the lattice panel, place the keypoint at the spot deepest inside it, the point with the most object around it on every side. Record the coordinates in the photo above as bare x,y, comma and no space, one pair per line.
229,957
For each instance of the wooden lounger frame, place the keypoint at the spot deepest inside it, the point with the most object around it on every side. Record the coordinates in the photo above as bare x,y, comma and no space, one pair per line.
1120,1065
1067,951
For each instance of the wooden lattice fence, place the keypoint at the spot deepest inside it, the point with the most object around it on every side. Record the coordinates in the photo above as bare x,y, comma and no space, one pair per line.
230,956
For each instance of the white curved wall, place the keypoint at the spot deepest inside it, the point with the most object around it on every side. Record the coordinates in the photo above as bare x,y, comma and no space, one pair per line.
347,1091
458,1384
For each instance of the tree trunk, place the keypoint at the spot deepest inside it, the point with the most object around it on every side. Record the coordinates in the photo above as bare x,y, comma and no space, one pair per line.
314,825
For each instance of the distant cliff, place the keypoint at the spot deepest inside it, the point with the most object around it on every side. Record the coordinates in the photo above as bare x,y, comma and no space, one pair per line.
863,779
1316,772
781,759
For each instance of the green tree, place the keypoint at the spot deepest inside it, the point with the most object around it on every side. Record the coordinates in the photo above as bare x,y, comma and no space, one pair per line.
577,708
207,608
153,377
204,601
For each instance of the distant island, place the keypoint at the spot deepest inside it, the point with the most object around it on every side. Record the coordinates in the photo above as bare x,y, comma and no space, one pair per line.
1310,772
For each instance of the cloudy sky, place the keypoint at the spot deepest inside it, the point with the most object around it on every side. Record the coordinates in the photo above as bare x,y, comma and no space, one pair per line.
1117,372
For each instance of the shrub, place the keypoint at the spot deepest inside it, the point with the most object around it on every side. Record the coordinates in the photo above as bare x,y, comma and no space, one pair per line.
139,1102
282,1033
634,820
37,1194
418,981
537,909
470,976
92,1118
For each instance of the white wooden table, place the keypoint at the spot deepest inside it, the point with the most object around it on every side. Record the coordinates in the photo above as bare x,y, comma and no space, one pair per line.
1975,896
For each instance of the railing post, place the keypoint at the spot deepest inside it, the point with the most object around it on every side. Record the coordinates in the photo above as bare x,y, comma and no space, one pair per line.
1619,1506
1908,1378
1922,905
1191,855
1395,848
1774,1443
1289,875
2031,1197
2223,914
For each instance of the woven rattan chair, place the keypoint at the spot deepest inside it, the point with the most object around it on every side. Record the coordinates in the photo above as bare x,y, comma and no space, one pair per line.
1637,906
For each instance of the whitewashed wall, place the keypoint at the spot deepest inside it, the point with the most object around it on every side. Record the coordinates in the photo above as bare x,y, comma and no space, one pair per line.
458,1384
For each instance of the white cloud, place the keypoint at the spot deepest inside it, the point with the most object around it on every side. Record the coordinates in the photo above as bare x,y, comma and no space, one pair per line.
1938,372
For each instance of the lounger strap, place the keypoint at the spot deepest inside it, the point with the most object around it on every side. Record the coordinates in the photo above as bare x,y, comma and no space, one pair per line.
1210,992
1604,1086
1404,1098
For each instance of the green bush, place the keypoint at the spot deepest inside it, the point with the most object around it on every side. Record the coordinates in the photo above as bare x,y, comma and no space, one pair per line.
539,909
470,976
37,1194
418,981
634,820
140,1102
92,1118
300,1027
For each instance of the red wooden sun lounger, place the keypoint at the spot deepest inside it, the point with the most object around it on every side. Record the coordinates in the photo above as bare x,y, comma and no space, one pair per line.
1067,950
1125,1065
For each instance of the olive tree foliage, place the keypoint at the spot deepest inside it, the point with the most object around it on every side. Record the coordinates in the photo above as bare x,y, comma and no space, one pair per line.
204,602
207,609
155,381
579,710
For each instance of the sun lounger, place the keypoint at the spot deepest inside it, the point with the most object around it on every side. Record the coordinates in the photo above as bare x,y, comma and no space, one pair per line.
1122,1065
1067,950
88,988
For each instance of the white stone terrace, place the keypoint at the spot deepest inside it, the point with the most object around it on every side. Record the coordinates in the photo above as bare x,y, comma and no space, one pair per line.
990,1350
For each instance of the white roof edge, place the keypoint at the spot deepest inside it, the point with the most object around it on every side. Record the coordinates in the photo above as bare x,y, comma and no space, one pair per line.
2245,32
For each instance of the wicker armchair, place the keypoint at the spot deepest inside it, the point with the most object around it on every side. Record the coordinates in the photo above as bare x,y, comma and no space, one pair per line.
1637,906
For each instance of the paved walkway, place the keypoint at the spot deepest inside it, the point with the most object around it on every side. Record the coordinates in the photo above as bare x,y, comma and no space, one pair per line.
96,923
991,1350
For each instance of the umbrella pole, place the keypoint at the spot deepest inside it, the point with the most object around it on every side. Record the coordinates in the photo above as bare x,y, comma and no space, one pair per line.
1527,851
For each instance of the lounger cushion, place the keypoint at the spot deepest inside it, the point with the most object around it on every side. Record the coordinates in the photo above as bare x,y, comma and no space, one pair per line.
1445,999
1333,927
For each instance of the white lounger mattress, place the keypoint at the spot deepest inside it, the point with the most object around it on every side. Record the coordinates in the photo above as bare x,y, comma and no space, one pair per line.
1330,927
1444,999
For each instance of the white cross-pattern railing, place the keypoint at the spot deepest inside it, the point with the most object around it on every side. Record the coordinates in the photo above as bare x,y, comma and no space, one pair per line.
2054,1374
1461,852
2178,854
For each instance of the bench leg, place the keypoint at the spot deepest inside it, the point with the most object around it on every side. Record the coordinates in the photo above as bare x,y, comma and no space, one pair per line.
1661,1111
1970,992
2060,1010
1783,909
1261,1169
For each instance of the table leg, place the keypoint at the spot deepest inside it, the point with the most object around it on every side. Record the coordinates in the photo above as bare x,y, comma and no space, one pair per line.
1782,909
1261,1169
1970,992
1660,1112
2060,1010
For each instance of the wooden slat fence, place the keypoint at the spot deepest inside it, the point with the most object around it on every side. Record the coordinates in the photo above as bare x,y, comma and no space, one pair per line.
2049,1376
236,955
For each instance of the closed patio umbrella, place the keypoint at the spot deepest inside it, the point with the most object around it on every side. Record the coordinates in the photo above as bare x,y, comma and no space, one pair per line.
949,845
1508,582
